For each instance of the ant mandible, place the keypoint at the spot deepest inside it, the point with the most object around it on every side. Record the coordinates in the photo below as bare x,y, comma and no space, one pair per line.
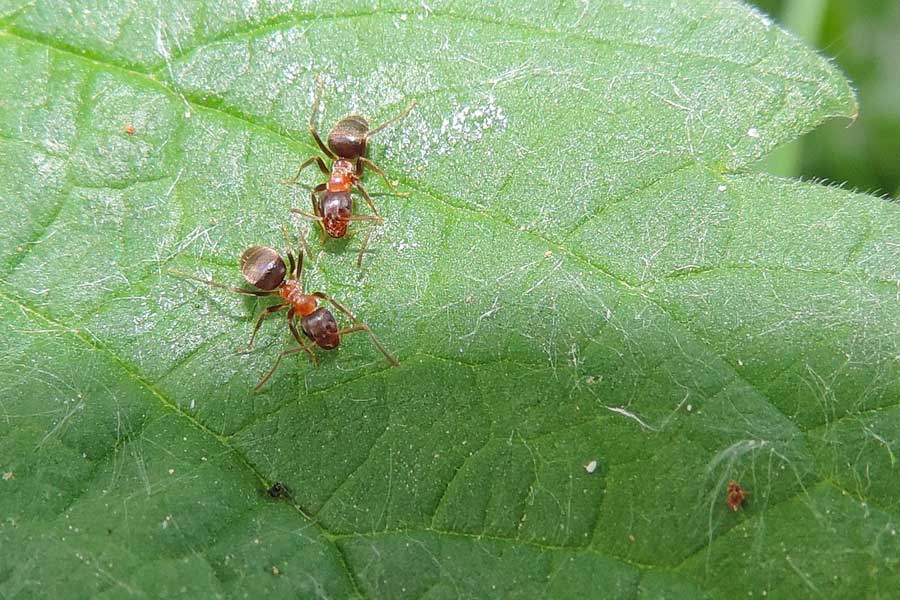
346,147
264,268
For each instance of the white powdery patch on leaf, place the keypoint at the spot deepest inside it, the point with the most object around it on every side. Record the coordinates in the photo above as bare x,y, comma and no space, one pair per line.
465,124
469,123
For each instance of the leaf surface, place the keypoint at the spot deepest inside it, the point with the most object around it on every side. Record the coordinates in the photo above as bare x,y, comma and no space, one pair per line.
602,317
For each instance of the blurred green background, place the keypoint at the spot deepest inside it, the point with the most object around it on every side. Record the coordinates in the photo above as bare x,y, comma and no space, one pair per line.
863,38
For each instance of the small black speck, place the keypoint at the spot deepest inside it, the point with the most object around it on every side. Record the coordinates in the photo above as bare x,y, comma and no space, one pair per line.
278,490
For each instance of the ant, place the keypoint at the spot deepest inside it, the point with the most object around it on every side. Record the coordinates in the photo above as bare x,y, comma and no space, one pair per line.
346,147
264,268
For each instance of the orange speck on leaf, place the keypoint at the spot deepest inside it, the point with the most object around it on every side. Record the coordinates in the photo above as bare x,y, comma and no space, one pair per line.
735,496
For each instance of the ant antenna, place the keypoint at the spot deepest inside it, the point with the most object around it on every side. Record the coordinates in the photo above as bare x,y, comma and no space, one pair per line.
392,119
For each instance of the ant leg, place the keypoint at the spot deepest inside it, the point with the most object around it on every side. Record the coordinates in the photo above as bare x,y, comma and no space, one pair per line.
314,159
312,120
303,348
290,253
222,285
262,317
353,329
304,248
268,375
306,215
297,268
314,198
296,333
360,326
315,206
366,218
368,200
347,330
375,218
315,216
392,119
365,161
362,249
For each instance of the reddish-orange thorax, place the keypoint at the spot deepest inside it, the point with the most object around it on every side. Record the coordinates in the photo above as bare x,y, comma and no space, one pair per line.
343,176
303,304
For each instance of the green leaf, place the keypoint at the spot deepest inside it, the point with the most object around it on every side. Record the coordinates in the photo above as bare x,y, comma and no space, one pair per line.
583,271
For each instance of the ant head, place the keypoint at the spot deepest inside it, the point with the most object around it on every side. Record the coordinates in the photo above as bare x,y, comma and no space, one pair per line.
348,138
322,328
263,267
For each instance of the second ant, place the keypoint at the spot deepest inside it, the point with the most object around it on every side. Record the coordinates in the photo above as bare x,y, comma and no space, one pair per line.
332,203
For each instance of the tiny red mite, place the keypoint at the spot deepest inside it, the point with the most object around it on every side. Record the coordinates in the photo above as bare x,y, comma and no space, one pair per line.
264,268
129,129
332,203
735,496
